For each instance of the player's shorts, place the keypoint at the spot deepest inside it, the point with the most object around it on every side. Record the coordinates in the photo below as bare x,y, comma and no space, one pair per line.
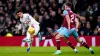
37,29
73,32
66,34
63,31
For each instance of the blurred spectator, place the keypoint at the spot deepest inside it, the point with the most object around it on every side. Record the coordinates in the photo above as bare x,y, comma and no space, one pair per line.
98,21
49,22
95,8
49,30
36,15
87,29
82,33
49,15
59,17
89,11
60,2
92,21
95,32
2,25
56,27
42,25
98,32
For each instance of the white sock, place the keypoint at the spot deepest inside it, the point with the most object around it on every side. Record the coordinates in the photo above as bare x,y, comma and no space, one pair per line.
90,48
58,50
75,49
29,44
23,44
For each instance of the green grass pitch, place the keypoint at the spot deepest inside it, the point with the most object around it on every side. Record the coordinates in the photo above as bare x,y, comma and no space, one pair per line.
46,51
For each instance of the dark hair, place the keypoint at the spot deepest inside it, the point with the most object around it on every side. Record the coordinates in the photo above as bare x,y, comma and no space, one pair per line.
69,4
17,11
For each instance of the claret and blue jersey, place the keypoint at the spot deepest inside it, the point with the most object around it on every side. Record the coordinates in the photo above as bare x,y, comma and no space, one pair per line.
64,29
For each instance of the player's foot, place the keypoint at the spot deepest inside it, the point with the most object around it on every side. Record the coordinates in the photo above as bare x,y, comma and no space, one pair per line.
76,51
90,49
40,37
28,50
58,52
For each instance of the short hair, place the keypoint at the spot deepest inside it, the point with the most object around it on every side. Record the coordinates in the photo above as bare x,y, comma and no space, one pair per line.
17,11
69,4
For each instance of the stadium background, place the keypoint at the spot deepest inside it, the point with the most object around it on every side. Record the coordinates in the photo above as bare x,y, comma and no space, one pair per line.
49,14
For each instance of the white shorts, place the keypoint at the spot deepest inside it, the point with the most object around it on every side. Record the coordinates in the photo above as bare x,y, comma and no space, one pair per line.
37,28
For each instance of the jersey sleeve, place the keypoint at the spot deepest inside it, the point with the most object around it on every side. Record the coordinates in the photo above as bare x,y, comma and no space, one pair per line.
23,27
65,12
30,17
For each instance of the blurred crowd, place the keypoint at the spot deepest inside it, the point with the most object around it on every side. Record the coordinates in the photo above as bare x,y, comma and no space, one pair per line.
49,14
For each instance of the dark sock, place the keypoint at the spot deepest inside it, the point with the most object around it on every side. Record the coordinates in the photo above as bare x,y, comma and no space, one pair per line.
49,36
85,44
71,45
58,44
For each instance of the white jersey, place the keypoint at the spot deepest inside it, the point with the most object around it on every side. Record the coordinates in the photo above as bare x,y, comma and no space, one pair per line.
29,21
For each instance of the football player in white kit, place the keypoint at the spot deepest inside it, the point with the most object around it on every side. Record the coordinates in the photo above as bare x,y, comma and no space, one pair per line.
32,27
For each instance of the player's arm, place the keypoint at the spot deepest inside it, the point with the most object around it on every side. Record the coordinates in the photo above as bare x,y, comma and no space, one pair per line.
23,28
67,18
77,23
80,17
68,21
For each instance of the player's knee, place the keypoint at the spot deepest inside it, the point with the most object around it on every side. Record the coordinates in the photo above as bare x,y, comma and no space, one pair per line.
78,40
74,29
57,37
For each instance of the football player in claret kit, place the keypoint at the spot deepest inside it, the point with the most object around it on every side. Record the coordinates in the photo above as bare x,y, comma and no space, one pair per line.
69,27
61,32
72,25
32,26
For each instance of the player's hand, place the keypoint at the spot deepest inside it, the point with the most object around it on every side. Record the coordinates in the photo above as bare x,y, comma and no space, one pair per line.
77,30
22,33
68,29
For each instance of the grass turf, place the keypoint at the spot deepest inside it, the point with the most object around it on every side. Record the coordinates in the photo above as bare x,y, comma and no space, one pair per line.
46,51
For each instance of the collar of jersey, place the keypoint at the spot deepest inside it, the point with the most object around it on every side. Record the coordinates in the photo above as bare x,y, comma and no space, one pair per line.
68,9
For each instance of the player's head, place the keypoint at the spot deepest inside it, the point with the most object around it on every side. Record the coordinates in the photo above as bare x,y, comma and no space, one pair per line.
19,13
67,5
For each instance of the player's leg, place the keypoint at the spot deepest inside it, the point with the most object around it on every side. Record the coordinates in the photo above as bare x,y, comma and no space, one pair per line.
85,45
62,33
23,42
58,43
28,41
67,34
52,35
49,36
30,36
71,45
75,34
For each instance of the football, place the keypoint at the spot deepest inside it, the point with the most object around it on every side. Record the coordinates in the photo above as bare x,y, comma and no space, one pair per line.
31,30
